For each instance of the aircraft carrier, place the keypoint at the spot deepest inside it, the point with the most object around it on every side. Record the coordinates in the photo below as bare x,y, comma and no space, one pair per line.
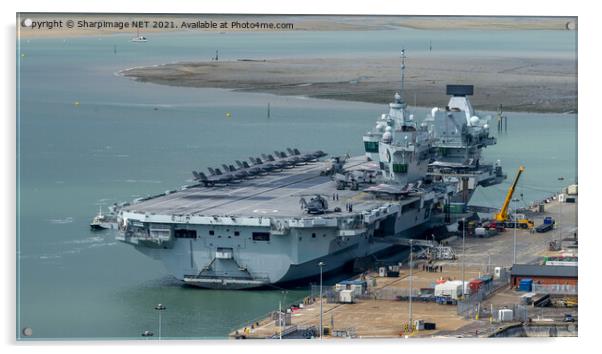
274,218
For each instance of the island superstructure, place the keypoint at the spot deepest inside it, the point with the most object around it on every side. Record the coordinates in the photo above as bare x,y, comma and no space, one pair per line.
274,218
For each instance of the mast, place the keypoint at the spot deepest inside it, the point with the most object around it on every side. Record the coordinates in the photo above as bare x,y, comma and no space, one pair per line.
403,66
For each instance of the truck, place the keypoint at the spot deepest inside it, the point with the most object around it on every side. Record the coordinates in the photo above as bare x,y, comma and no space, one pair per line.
521,222
548,224
493,225
485,231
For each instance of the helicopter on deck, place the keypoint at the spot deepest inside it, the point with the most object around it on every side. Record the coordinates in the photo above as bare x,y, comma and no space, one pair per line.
316,205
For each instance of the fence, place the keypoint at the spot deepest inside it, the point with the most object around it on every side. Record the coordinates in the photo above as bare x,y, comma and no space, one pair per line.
391,293
329,293
471,301
402,293
520,313
555,289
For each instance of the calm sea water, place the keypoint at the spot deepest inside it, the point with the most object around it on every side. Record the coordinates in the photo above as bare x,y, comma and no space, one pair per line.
126,139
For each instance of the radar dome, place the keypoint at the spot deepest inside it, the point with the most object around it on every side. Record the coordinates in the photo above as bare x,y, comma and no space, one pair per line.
474,121
486,126
387,137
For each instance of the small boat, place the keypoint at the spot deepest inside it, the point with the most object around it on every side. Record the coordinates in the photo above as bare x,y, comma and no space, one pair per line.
139,38
103,222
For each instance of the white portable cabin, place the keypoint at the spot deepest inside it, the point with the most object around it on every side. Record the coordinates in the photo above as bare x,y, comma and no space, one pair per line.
451,289
505,315
346,296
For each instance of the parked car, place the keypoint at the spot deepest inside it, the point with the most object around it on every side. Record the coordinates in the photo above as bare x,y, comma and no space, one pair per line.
569,317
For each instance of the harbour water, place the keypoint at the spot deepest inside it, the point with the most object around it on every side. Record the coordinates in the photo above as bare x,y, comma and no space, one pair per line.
88,137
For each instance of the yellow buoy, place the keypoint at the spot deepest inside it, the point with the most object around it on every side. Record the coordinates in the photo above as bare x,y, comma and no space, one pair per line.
76,103
228,114
22,55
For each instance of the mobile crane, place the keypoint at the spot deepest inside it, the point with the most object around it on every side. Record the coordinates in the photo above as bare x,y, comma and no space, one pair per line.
502,218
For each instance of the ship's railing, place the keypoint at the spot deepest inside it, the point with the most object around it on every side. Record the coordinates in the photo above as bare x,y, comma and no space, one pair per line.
145,236
140,235
313,222
352,223
381,212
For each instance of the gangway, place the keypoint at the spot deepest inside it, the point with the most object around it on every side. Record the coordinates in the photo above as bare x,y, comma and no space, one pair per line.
434,251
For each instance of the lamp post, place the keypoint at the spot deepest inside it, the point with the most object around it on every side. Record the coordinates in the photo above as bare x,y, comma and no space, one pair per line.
280,322
280,317
558,233
411,284
321,265
160,308
463,250
515,227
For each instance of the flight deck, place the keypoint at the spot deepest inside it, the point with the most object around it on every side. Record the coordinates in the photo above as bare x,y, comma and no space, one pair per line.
277,193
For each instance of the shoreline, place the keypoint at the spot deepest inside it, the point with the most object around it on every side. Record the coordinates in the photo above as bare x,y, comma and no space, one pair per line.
519,84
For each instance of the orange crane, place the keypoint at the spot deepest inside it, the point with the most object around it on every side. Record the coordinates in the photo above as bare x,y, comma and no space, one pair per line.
502,216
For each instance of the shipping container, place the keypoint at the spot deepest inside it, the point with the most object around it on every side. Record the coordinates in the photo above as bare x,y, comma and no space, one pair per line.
486,278
525,285
475,285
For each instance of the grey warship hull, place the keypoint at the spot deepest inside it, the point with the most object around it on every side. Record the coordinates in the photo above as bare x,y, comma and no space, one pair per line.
254,233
